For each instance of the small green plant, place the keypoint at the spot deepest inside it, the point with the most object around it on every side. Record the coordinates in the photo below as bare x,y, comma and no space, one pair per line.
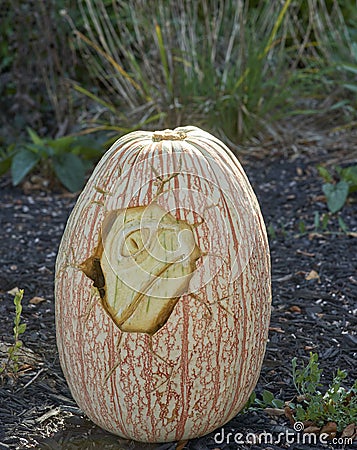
302,227
11,365
320,222
307,379
279,230
271,231
267,400
67,158
339,184
337,405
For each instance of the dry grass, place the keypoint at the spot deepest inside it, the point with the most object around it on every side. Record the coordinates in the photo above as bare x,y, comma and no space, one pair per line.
222,65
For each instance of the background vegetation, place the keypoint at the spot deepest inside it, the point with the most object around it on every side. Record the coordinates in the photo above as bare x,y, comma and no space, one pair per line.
102,68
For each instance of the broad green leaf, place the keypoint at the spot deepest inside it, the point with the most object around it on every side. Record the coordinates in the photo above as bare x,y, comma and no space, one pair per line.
89,149
70,171
336,195
22,163
268,397
43,150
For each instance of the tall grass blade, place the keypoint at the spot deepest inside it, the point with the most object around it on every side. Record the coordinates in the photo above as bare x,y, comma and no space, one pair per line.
94,97
110,59
276,27
163,57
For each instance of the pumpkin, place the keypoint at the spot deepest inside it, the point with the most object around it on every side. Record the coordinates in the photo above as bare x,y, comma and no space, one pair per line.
163,288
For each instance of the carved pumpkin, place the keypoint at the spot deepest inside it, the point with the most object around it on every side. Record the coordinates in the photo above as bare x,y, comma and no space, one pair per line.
163,288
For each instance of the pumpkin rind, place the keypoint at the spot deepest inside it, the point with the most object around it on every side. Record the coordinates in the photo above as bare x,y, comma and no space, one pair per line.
194,371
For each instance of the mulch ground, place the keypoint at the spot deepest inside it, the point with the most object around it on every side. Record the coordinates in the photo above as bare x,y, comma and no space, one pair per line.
314,275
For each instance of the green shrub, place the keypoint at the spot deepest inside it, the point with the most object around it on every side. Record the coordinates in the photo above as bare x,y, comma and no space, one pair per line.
67,158
221,65
338,404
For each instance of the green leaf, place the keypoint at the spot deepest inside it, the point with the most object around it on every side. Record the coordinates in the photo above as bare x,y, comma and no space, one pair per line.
164,61
43,150
17,345
294,363
252,398
338,105
250,402
35,138
89,149
22,163
342,224
62,145
277,403
268,397
349,174
350,68
70,171
341,374
351,87
324,224
316,220
325,174
302,227
21,328
5,164
336,195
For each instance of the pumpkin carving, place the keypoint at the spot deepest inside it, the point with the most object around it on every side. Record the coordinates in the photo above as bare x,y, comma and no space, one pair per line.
163,288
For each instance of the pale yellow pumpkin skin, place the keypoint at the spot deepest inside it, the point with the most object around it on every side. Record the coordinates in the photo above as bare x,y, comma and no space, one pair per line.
194,368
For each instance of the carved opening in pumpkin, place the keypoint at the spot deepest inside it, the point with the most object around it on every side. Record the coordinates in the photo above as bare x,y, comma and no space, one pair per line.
142,266
92,269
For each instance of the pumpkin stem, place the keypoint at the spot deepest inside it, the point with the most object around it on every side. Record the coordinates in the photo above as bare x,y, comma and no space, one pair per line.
168,135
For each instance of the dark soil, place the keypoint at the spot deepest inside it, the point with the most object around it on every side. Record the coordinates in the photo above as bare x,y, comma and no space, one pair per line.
317,314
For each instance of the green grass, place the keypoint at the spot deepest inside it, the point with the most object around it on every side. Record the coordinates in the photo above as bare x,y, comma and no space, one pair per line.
228,69
233,68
